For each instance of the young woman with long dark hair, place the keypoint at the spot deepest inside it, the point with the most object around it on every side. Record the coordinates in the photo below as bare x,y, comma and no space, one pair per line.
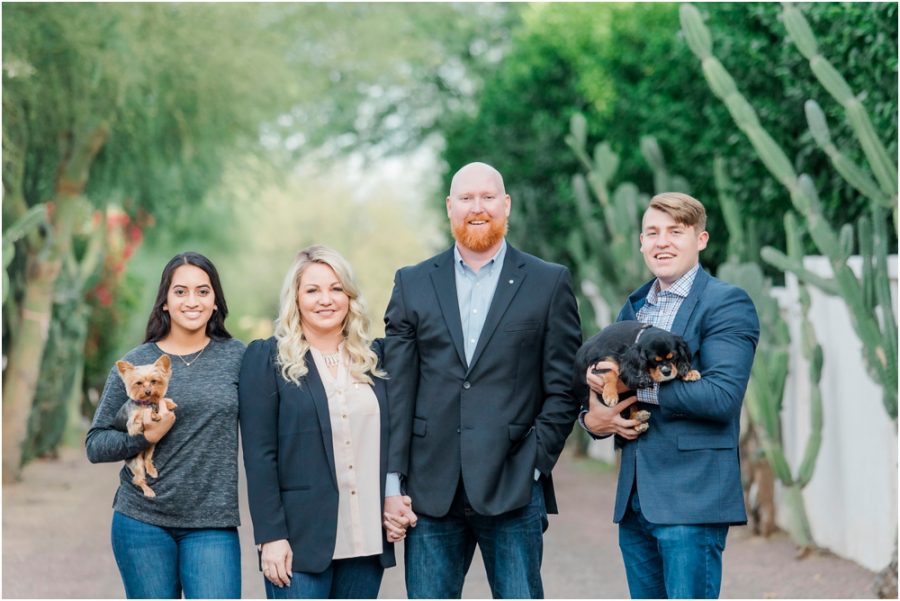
183,540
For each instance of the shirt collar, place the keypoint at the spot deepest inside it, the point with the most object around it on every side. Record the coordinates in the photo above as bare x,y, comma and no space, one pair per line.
681,287
497,259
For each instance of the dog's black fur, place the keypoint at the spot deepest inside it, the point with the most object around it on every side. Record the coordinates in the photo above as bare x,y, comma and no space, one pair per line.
656,350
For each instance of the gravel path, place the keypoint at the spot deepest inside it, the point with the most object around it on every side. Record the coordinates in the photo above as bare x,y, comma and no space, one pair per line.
56,544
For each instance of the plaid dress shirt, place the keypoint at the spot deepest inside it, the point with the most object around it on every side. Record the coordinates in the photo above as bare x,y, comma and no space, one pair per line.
660,310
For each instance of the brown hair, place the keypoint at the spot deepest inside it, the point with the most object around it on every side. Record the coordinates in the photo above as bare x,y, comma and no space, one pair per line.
684,209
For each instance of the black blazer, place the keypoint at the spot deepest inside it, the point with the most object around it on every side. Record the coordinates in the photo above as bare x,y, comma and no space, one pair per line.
289,457
493,421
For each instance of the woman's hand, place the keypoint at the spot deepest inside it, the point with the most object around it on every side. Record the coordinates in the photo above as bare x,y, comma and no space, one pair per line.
155,430
276,560
398,516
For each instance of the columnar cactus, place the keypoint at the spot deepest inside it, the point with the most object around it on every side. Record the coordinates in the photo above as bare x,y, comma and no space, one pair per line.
607,257
867,296
765,391
59,391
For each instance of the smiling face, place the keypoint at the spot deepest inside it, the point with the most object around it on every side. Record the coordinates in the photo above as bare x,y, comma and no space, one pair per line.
478,208
190,301
321,299
670,249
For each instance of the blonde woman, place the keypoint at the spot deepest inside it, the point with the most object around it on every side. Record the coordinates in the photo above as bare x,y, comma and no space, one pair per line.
314,428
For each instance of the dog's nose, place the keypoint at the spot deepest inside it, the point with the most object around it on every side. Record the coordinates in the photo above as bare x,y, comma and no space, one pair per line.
666,370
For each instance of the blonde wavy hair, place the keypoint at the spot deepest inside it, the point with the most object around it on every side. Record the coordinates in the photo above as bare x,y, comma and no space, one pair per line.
292,344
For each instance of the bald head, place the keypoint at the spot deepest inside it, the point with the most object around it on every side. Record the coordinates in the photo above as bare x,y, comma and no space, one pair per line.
474,172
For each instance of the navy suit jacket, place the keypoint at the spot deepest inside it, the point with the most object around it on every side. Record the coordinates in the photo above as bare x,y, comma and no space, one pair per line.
289,457
686,466
497,419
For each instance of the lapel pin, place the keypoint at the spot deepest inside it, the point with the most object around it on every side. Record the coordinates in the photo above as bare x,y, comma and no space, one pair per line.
511,281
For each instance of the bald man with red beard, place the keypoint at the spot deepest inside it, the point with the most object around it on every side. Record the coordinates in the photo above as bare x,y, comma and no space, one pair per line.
480,343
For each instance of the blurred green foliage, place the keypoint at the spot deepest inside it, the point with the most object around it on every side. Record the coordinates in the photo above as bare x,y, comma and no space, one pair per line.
144,107
627,68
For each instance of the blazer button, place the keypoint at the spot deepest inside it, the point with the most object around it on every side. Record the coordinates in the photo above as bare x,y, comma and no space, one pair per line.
466,385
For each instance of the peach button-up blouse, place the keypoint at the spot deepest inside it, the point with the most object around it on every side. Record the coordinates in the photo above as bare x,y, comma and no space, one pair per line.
356,436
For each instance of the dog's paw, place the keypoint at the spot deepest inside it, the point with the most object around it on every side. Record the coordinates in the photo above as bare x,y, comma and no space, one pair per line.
170,404
642,416
611,400
691,376
641,428
148,492
155,416
151,471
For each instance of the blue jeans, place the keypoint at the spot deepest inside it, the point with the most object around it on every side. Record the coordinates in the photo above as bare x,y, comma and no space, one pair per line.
670,561
161,563
353,578
438,551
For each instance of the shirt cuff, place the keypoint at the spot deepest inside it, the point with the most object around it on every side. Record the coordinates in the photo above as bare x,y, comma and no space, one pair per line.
392,484
586,429
537,474
649,395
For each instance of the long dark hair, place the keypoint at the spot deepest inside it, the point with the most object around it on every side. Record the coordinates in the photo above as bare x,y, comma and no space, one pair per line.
159,324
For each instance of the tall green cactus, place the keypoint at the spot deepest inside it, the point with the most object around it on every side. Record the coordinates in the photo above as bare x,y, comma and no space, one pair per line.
59,389
607,258
765,391
867,296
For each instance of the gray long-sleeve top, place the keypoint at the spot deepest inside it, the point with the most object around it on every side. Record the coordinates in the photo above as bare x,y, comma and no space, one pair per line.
197,458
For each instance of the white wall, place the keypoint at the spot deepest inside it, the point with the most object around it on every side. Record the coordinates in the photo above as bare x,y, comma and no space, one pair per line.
852,497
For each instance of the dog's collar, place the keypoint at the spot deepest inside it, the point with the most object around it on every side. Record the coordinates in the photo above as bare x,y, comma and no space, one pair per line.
136,402
645,327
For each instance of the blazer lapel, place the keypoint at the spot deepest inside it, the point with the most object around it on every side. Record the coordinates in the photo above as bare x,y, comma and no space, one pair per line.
320,399
511,276
690,302
444,280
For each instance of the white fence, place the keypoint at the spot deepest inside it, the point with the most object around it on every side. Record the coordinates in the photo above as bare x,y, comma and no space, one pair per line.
852,497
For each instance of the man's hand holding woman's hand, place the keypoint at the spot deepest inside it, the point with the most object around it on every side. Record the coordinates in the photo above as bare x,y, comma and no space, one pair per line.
601,419
398,516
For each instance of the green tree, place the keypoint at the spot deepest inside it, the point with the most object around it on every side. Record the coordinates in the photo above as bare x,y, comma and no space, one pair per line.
145,106
626,68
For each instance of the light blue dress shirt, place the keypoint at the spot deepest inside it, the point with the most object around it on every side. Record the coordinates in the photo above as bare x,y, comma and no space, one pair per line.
474,292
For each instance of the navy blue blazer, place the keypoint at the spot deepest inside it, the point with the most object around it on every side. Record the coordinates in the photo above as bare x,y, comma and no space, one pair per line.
496,419
289,457
686,466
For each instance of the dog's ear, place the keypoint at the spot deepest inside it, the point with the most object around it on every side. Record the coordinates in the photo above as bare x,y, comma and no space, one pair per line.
124,367
164,362
682,357
633,369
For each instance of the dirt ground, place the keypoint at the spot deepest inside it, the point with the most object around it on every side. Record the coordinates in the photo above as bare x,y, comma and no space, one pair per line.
56,544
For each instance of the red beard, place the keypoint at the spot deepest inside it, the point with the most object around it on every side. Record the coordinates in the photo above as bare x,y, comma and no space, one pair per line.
480,239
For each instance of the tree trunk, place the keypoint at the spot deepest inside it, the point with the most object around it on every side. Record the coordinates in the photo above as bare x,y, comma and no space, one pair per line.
44,264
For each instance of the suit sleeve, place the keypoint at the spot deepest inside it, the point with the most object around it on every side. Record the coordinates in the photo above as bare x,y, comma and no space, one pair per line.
401,360
729,335
258,399
561,341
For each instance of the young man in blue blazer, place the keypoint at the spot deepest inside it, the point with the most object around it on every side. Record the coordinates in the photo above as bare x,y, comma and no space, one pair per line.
679,482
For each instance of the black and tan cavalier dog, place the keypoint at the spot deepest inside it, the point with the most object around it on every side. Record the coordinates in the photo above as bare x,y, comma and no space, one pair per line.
644,355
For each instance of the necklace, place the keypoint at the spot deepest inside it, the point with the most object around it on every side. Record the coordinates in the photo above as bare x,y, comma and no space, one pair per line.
194,360
332,359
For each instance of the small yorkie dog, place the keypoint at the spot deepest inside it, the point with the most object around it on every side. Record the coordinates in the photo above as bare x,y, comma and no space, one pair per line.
146,387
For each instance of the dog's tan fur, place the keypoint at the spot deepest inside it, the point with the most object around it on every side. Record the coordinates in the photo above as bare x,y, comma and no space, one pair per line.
146,387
